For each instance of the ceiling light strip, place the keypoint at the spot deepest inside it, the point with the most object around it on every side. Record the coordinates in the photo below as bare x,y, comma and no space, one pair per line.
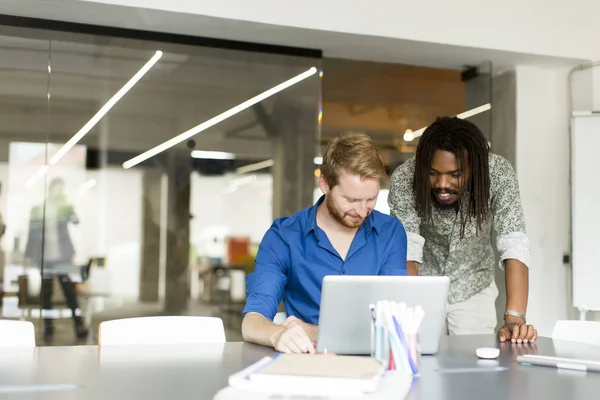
212,155
463,115
215,120
105,108
255,167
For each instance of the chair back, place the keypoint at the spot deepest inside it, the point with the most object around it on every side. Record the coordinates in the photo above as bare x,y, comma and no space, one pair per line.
161,330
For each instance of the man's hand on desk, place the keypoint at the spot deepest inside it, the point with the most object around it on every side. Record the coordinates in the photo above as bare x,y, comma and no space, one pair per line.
295,336
515,331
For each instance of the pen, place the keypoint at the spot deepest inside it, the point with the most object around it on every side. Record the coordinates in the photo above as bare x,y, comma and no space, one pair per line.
405,344
372,308
398,348
470,370
39,388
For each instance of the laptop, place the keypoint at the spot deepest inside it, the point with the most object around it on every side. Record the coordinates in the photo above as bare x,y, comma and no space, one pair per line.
345,318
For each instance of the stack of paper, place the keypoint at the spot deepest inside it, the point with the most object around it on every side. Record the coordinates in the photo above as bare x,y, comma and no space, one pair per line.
316,375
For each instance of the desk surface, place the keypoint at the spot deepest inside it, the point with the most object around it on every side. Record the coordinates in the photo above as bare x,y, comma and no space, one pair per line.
198,372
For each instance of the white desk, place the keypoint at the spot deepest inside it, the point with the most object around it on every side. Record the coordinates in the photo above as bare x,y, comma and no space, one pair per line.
198,372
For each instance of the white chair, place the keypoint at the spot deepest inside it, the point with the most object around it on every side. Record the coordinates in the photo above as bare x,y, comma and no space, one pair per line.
16,333
161,330
587,332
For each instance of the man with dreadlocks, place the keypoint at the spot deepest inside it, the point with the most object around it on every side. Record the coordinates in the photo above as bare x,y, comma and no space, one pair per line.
448,197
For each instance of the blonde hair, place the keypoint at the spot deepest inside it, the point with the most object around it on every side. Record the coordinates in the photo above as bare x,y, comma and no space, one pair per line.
354,152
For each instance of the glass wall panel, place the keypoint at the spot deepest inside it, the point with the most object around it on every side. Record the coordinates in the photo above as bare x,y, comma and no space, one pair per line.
139,177
143,176
24,79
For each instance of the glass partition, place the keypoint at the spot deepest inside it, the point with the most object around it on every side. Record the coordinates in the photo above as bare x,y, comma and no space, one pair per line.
140,176
24,105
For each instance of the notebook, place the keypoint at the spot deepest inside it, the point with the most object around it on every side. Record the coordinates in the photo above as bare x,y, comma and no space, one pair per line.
311,375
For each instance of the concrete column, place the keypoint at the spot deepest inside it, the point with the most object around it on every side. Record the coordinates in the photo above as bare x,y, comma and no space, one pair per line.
294,131
504,142
532,100
499,127
150,248
543,124
178,231
478,87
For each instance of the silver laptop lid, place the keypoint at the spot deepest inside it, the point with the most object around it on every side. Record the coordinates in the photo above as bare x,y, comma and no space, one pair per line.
345,319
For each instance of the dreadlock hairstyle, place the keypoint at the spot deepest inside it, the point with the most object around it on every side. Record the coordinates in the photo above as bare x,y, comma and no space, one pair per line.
463,139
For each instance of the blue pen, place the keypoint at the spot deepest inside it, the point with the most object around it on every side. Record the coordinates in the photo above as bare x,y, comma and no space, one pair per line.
402,338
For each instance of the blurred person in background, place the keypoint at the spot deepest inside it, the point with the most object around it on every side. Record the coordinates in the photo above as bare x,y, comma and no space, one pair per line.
48,229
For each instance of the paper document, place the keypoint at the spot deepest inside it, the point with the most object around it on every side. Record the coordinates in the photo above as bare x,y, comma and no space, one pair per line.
318,375
349,367
392,386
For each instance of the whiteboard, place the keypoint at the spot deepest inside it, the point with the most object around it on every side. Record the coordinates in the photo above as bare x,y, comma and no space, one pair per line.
585,210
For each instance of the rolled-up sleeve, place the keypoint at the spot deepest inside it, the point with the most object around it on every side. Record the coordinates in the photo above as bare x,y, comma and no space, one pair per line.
265,285
401,201
509,222
415,247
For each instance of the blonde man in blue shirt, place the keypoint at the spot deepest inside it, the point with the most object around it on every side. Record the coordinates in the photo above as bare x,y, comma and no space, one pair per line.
341,234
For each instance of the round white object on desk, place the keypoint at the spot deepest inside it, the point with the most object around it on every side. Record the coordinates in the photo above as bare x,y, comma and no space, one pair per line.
487,352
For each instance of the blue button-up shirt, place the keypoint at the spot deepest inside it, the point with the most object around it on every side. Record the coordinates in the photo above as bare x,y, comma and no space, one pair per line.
295,255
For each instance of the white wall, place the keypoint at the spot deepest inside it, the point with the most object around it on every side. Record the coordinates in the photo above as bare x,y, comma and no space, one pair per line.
542,165
585,88
229,205
111,226
555,28
111,219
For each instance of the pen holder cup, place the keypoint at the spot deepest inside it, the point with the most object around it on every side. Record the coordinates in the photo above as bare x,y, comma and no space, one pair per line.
398,348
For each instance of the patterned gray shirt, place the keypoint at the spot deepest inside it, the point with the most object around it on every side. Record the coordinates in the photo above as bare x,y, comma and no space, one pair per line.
437,246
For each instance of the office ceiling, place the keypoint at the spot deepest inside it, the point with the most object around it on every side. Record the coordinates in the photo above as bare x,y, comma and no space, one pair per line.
190,85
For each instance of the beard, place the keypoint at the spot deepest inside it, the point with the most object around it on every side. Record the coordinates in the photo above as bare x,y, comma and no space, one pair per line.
341,217
445,205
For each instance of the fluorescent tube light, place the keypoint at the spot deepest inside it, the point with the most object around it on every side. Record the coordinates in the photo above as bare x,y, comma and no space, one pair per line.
96,118
266,164
474,111
213,155
463,115
105,108
255,167
219,118
87,185
38,174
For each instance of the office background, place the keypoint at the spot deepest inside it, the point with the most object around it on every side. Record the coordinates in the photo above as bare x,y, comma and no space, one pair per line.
369,69
176,233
